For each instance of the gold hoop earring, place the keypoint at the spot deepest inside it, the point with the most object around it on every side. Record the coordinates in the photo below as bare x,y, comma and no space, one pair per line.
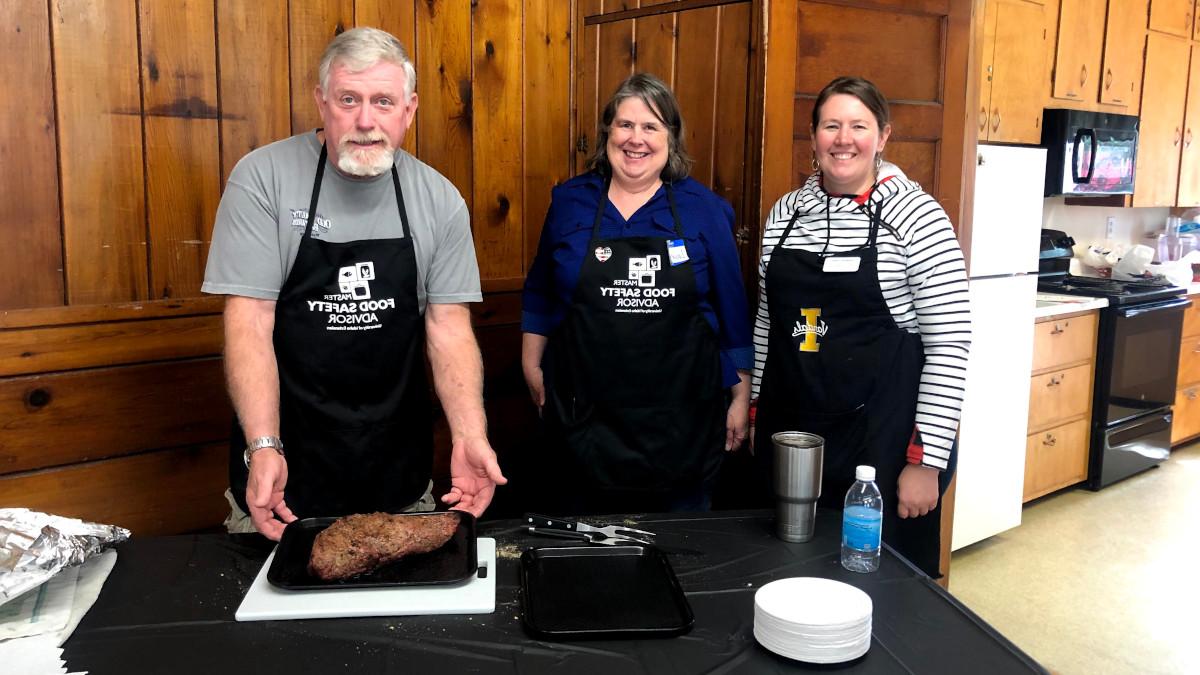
816,166
878,161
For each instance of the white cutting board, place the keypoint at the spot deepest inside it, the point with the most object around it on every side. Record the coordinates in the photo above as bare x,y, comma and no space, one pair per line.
264,602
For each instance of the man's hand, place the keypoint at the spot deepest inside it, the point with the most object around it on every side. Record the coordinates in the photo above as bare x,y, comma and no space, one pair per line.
264,493
917,490
474,475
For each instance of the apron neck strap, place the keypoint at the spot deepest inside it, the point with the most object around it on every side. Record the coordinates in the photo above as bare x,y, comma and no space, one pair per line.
316,191
674,211
875,218
603,201
400,200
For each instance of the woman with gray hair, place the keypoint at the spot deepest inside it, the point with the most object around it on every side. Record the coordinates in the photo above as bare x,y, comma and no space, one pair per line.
636,344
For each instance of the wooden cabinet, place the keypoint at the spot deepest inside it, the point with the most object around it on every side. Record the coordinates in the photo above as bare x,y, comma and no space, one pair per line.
1012,67
1164,99
1060,403
1124,44
1186,424
1174,17
1189,156
1079,48
1053,459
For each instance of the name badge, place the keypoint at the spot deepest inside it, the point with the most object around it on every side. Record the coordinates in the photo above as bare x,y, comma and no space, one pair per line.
676,252
841,264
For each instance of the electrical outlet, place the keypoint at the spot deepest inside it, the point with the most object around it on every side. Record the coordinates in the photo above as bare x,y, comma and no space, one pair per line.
1110,227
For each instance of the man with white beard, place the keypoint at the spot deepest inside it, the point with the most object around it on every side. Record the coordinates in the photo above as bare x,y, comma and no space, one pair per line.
344,259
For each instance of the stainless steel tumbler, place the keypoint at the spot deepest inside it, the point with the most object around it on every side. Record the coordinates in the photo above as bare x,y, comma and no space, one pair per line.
798,462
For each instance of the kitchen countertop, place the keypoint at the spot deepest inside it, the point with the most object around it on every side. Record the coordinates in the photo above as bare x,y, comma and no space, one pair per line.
169,604
1049,305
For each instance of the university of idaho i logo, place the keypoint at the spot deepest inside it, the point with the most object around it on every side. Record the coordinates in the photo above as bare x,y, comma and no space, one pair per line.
812,328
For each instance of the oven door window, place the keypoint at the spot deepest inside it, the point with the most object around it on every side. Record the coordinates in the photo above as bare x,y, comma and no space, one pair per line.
1144,362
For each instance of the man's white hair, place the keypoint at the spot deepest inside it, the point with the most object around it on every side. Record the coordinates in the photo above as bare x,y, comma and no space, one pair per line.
361,48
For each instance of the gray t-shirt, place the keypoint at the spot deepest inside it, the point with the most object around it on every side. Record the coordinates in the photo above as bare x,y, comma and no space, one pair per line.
261,219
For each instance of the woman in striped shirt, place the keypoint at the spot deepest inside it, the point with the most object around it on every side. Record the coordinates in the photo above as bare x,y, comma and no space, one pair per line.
863,324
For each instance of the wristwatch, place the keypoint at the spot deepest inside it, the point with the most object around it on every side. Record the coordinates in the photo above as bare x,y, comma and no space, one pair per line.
260,443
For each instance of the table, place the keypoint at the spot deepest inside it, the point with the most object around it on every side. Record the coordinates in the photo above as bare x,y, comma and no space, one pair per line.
169,605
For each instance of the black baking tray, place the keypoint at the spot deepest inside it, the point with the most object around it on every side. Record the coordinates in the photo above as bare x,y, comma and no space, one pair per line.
454,561
601,592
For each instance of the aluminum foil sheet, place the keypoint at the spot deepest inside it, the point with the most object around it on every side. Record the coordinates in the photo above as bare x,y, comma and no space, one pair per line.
35,546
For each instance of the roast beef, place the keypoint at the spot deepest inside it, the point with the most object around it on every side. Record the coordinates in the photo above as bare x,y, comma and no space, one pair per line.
361,543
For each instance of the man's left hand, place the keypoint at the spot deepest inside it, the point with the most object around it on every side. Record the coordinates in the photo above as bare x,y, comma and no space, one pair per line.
474,475
917,490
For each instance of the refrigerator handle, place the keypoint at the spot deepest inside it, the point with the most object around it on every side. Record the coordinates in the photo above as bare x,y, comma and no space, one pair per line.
1080,134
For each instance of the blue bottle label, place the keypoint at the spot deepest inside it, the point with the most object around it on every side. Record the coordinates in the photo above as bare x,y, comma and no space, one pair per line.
862,528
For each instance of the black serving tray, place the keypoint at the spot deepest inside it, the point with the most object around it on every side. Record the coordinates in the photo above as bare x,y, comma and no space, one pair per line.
601,592
453,562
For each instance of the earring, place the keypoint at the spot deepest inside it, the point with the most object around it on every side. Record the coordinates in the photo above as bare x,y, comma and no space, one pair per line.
878,160
816,166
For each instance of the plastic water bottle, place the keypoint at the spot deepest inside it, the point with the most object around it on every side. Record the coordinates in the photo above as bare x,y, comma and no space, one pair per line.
862,523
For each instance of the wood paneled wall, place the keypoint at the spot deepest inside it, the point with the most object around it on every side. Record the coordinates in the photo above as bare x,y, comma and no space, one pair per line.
132,115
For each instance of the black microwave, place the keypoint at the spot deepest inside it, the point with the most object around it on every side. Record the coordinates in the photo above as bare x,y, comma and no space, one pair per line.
1089,153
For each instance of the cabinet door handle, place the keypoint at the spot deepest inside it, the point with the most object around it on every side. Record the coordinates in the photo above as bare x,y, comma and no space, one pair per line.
1082,75
1107,79
995,119
1055,381
1049,440
1190,394
1178,136
1187,139
1058,329
983,120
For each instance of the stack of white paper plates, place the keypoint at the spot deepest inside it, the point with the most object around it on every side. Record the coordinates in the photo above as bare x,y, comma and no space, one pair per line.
812,619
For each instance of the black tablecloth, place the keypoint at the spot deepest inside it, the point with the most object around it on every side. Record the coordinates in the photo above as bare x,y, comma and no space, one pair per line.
169,605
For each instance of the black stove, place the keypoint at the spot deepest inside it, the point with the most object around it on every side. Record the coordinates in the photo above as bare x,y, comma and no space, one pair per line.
1119,293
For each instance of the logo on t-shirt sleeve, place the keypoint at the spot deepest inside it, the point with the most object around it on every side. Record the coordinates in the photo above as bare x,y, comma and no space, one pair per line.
321,224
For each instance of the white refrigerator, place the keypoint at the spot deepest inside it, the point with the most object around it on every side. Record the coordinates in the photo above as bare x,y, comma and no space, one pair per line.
1005,233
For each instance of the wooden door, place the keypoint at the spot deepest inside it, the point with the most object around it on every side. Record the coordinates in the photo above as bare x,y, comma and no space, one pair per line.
1173,17
1080,42
1015,115
1124,44
1189,160
704,54
1164,97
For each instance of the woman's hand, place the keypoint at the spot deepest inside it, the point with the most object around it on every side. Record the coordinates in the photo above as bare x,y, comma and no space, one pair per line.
537,386
917,490
533,346
737,419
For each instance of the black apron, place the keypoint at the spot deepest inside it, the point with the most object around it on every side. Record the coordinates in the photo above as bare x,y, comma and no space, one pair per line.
839,366
354,407
634,388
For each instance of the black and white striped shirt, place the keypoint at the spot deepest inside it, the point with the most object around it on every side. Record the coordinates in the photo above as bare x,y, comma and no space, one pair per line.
921,273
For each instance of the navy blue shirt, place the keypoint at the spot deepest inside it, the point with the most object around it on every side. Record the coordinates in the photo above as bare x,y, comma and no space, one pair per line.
707,222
